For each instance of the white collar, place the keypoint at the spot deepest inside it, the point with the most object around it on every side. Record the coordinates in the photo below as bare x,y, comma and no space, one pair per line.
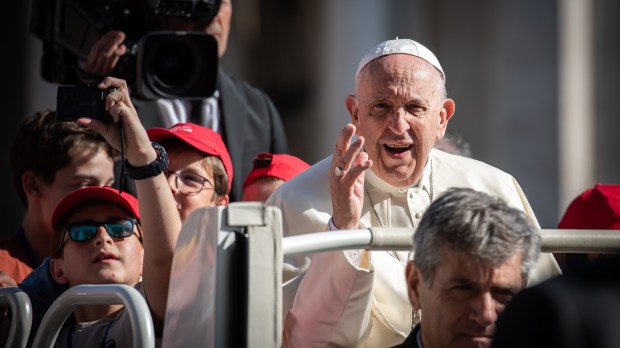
424,183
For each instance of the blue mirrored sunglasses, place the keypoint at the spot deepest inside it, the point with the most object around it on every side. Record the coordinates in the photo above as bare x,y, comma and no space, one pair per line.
86,230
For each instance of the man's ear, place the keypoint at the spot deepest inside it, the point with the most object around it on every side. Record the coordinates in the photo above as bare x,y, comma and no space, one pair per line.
31,184
414,282
446,112
222,200
56,270
353,109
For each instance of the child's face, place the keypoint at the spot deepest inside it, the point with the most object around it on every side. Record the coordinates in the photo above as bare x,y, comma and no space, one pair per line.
97,170
102,259
185,161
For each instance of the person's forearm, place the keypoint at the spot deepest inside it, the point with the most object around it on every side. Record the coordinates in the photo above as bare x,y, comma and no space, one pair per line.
162,224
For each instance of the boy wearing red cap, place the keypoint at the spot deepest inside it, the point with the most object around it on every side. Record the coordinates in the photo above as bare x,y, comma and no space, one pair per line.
200,171
268,173
98,240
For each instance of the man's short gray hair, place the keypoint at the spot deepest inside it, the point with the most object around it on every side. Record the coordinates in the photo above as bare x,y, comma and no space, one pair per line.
474,223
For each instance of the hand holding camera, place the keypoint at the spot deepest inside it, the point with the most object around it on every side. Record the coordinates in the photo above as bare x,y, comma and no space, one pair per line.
73,102
120,124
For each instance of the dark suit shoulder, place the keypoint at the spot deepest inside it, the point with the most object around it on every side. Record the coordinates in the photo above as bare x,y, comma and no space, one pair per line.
582,310
412,340
251,124
250,93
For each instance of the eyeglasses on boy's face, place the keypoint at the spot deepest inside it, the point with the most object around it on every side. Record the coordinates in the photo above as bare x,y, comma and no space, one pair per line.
83,231
190,184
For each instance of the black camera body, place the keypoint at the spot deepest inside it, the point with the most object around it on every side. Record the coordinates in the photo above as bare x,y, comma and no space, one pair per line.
156,64
73,102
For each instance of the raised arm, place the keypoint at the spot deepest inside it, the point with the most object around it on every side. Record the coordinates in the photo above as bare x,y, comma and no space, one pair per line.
160,219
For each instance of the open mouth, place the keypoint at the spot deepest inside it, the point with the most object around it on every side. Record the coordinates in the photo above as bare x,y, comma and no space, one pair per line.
397,148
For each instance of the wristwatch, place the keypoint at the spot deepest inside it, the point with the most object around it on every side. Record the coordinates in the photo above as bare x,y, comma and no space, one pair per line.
152,169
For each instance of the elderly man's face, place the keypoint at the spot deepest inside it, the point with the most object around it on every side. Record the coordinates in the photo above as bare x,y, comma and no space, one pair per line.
400,110
464,299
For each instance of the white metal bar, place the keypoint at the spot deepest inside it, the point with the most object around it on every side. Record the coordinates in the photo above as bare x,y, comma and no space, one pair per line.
21,316
553,240
326,241
134,302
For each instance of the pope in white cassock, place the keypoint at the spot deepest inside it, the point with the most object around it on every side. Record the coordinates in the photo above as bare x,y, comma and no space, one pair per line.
386,177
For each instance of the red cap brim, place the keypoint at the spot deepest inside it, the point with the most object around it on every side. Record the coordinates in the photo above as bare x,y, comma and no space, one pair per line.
93,194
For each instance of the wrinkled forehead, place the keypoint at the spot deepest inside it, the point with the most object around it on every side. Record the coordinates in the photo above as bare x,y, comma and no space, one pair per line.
396,66
456,264
399,74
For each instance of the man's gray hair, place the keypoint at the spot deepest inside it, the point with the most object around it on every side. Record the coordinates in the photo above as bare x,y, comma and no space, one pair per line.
474,223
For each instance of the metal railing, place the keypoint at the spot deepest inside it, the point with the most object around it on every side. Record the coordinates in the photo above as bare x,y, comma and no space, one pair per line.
256,219
143,333
21,315
553,240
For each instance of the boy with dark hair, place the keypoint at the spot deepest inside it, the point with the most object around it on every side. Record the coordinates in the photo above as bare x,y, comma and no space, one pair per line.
49,159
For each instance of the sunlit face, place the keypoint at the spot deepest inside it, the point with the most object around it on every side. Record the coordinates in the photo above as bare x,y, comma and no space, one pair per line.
219,27
85,171
186,160
400,110
260,190
464,299
103,259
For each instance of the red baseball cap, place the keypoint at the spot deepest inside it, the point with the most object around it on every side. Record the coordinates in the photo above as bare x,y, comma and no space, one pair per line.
281,166
93,194
201,138
596,208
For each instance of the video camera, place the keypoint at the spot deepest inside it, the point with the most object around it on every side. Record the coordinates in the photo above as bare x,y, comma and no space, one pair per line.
158,64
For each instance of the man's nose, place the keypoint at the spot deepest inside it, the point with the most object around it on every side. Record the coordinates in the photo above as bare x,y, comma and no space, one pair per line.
485,310
399,118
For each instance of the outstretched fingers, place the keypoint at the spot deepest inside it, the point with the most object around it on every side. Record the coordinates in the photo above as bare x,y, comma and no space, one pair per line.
347,179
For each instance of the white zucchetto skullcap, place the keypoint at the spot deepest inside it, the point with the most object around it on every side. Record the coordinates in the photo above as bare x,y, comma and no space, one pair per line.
404,46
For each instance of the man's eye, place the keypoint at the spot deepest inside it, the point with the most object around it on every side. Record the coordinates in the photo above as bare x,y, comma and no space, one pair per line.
379,108
463,291
503,297
415,109
462,288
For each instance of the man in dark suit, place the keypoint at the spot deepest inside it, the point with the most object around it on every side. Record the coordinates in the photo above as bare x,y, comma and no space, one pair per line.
581,308
472,254
243,114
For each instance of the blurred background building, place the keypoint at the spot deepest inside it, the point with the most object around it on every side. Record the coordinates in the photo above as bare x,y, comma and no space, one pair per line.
534,82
